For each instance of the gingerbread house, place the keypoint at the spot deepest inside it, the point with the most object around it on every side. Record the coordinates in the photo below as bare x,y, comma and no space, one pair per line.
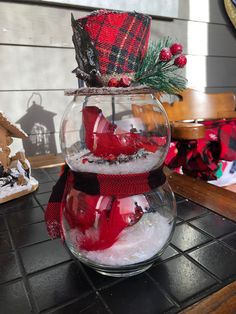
15,171
8,130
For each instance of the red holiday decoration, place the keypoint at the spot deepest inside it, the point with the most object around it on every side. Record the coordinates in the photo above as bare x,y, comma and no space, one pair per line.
124,81
106,31
113,82
180,61
110,224
165,55
106,140
118,46
109,195
176,48
112,215
80,209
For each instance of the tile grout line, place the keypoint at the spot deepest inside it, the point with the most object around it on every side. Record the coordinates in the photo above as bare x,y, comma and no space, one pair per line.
193,218
49,268
35,198
23,273
183,253
221,241
9,282
61,306
198,296
198,246
94,288
29,224
215,238
210,211
164,292
12,210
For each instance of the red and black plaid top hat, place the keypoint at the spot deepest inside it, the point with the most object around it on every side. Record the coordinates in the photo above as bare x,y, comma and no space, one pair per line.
109,44
112,51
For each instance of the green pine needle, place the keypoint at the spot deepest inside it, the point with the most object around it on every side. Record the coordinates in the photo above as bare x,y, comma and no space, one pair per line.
163,76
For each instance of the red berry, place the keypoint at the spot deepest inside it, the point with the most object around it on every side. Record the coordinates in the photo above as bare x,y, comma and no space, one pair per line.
176,48
124,81
113,82
165,55
180,61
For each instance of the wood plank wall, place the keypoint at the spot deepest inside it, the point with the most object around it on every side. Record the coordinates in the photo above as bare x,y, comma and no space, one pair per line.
37,55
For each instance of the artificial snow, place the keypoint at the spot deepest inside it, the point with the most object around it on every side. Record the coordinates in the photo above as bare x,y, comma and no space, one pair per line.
135,244
140,162
9,190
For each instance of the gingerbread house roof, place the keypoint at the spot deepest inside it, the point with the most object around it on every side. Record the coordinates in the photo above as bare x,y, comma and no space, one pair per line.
12,128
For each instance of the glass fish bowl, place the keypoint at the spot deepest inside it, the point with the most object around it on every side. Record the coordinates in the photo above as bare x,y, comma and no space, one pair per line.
119,211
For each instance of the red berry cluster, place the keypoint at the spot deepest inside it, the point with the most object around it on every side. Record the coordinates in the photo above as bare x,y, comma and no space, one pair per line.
166,55
124,81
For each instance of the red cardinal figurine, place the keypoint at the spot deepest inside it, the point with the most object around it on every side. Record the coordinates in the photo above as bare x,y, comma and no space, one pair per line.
105,139
99,228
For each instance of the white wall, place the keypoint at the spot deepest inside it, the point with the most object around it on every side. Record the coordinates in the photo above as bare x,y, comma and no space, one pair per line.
37,54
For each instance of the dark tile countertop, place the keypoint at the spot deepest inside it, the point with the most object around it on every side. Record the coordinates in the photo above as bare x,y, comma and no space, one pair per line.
39,275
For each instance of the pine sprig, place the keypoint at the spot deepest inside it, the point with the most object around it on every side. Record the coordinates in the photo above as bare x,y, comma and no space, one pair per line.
161,75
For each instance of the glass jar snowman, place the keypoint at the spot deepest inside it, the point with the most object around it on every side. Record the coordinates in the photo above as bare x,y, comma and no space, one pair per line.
119,213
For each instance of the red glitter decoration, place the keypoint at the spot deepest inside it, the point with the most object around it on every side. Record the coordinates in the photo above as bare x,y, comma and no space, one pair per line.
165,55
176,49
113,82
180,61
124,81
